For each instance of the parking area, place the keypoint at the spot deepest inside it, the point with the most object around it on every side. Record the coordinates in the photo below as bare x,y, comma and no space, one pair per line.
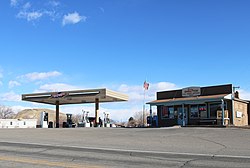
159,144
230,141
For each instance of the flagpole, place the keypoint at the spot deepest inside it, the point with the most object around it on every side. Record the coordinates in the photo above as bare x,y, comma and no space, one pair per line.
145,86
143,111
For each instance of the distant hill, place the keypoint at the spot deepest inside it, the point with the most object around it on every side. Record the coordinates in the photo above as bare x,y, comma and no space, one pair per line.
35,114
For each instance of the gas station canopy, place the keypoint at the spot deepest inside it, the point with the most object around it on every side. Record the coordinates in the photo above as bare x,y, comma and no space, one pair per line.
76,97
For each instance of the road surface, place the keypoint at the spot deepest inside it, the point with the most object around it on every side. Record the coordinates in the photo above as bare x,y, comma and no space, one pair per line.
125,147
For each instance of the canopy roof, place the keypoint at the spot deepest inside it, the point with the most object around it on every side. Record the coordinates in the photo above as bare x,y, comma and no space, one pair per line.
76,97
190,100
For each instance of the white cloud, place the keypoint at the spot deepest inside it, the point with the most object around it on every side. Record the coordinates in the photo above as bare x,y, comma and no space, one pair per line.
27,13
243,94
26,6
34,15
30,13
30,16
136,92
50,9
10,96
53,15
54,3
56,87
73,18
13,3
13,84
1,76
162,86
40,75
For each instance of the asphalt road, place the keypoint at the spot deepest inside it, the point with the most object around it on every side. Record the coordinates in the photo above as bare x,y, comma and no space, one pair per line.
125,147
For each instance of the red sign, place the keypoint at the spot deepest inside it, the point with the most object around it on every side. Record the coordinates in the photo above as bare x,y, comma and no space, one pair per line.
58,95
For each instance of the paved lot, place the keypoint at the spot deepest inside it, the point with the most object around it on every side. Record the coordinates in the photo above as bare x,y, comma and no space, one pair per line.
125,147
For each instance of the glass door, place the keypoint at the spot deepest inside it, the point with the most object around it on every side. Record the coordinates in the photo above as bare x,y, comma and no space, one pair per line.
180,116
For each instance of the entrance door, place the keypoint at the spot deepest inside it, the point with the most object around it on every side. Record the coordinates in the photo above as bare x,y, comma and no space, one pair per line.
180,116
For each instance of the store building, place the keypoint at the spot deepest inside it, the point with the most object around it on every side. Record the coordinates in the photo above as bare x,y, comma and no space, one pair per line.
214,105
248,110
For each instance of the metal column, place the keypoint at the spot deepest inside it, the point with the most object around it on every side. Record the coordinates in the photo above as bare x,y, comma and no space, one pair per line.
151,116
223,111
96,112
57,114
183,112
232,101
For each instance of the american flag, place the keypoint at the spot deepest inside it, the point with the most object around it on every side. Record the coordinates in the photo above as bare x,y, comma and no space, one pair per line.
146,85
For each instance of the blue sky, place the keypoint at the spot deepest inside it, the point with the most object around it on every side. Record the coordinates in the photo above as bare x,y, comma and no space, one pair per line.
52,45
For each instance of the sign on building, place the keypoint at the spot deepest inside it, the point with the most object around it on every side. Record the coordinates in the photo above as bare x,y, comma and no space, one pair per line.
191,91
238,114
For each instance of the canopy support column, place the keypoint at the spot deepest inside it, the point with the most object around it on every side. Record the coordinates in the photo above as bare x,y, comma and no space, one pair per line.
57,114
223,112
96,112
151,116
183,115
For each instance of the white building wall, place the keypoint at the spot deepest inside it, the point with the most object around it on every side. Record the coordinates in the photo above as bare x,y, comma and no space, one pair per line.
16,123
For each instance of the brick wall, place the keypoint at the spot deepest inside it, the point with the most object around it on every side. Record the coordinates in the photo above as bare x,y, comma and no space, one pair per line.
241,108
249,113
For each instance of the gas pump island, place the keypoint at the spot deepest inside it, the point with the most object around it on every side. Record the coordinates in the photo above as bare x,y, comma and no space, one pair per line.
76,97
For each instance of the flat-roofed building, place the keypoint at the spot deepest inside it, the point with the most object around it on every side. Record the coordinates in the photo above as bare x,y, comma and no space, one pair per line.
18,123
213,105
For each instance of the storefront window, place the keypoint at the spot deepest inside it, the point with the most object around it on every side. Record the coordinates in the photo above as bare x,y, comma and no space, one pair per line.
164,112
171,112
213,109
167,112
203,111
194,111
180,112
216,107
198,111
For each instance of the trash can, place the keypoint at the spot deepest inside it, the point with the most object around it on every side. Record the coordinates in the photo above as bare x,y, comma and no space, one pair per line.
149,120
64,124
155,121
50,124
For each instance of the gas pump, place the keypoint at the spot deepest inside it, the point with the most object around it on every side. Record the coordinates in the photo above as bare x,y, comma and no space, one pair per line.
106,120
152,121
149,121
44,120
70,123
85,119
